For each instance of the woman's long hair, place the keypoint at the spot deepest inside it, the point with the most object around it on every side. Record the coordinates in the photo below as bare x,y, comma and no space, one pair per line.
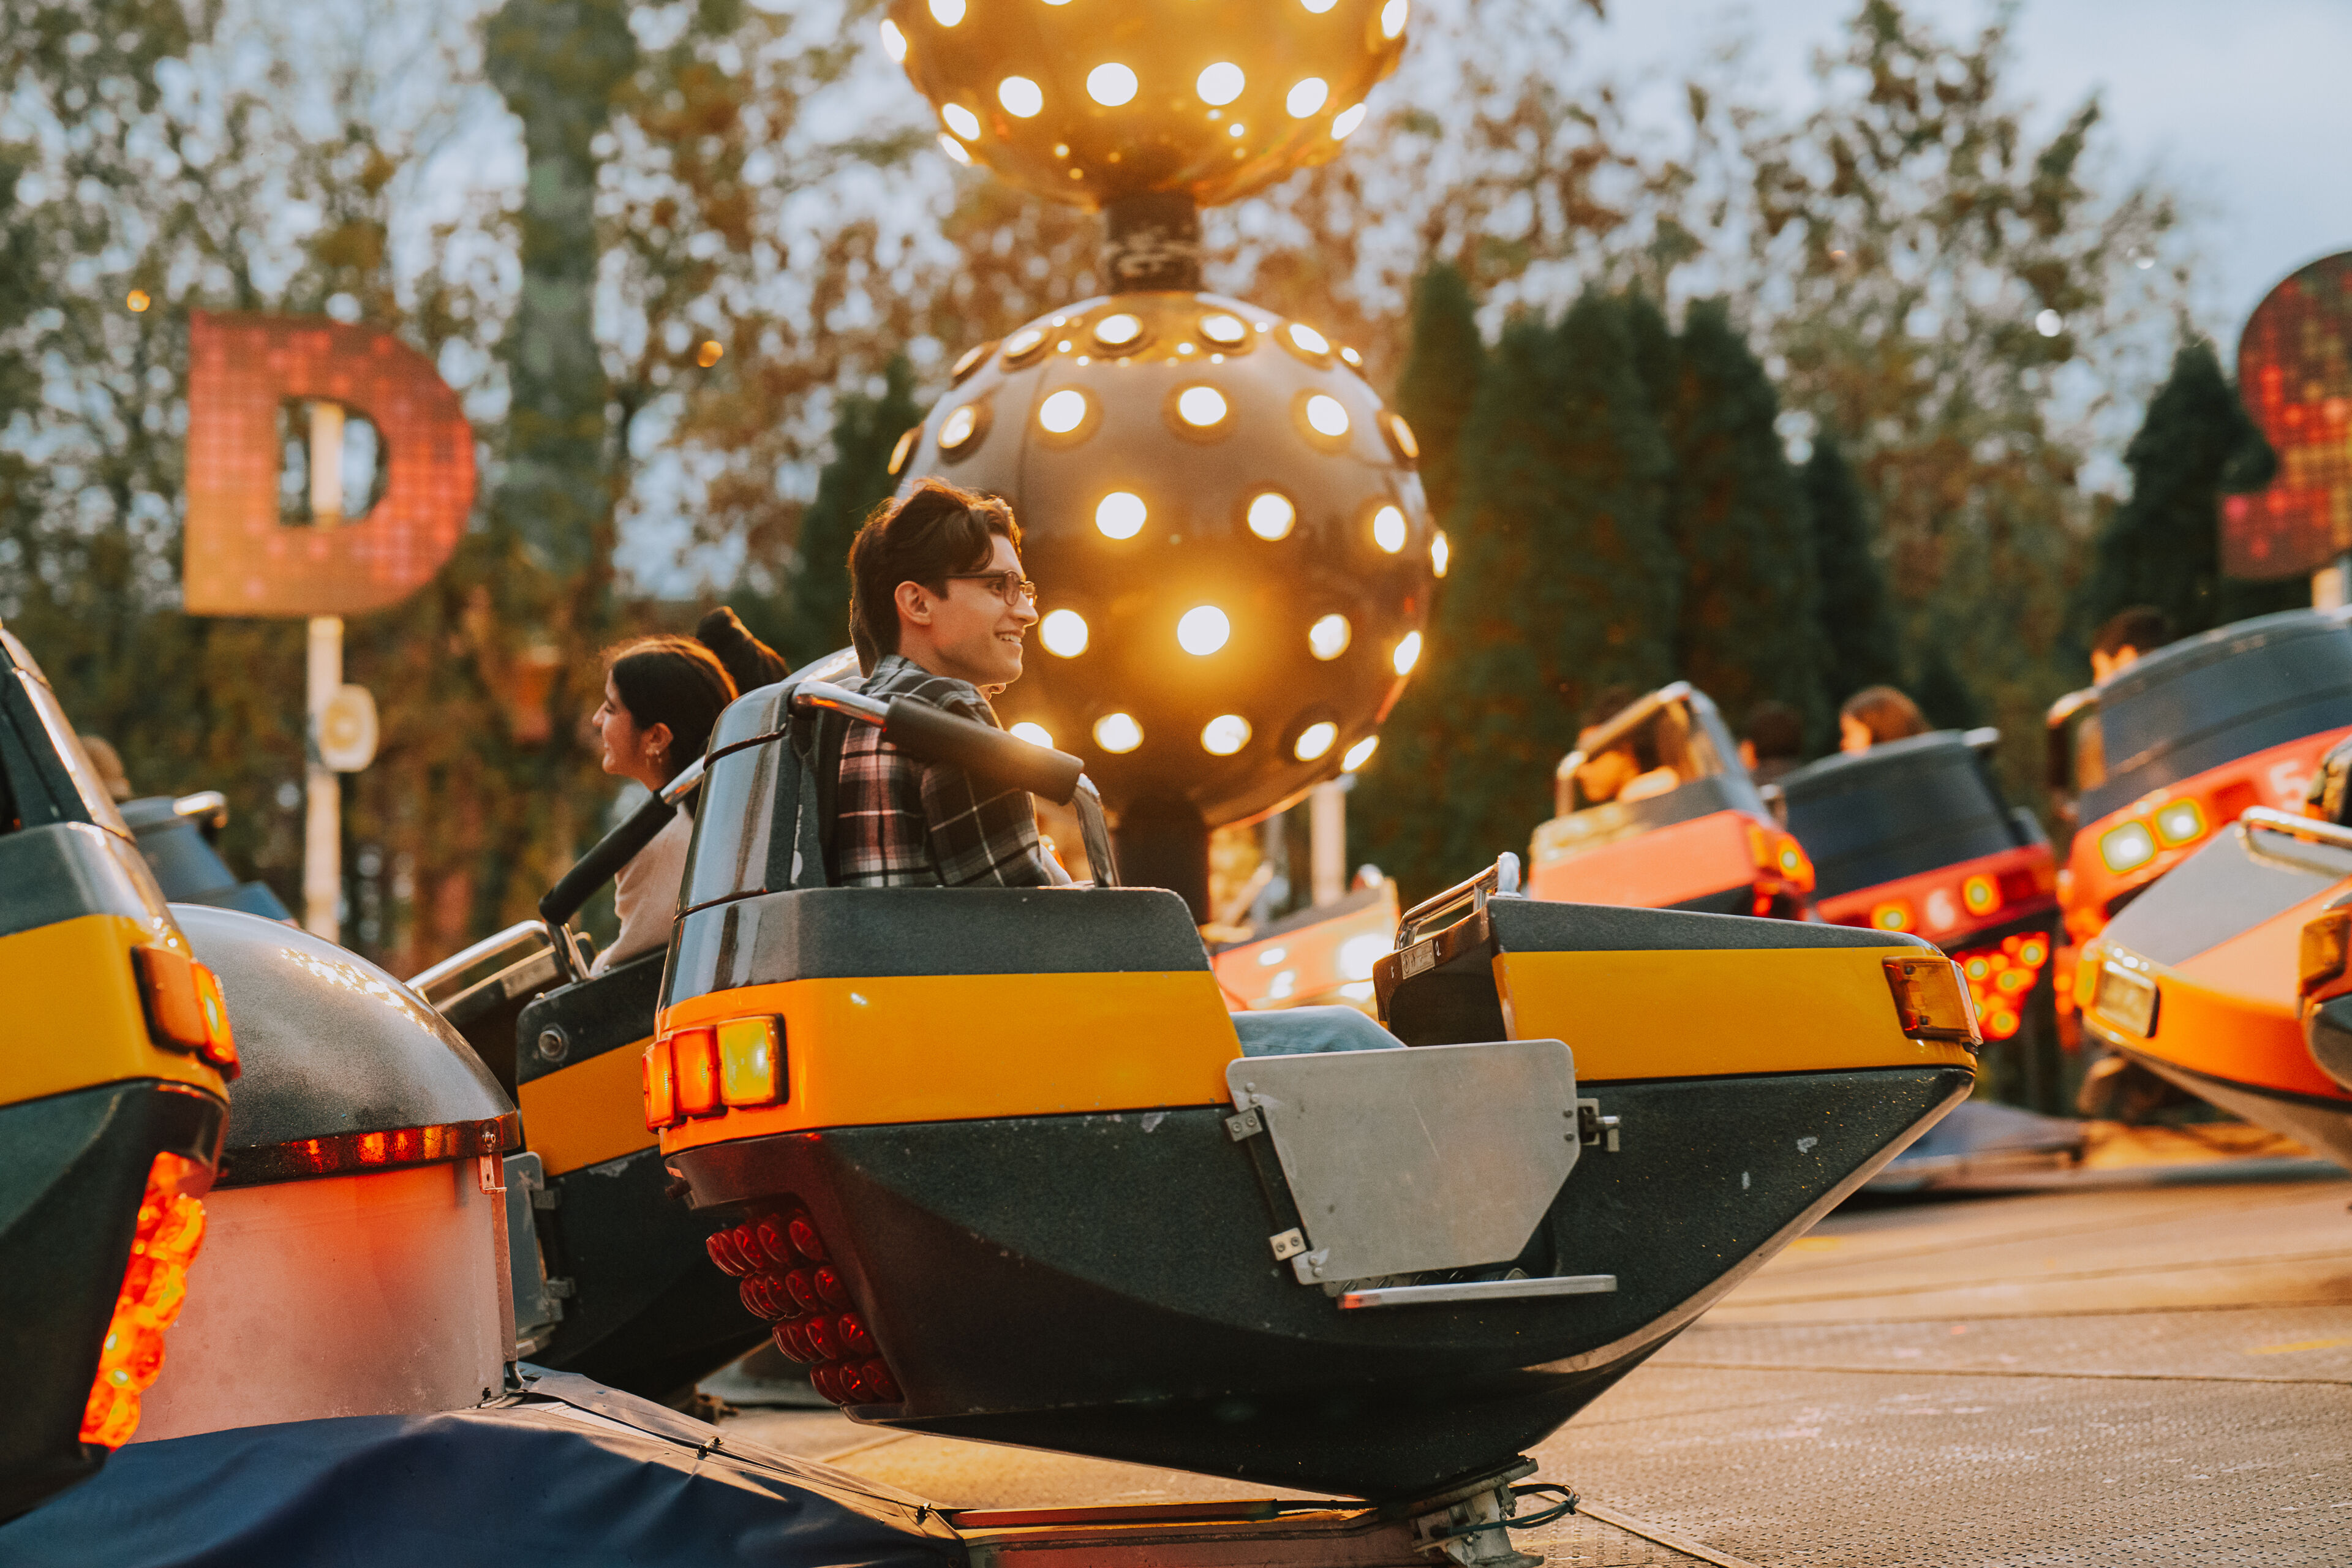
674,682
1886,713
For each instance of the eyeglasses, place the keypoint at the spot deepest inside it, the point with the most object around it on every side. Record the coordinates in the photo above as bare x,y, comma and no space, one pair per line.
1009,586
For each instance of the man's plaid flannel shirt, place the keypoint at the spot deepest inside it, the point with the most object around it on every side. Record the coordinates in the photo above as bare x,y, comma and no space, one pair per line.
905,824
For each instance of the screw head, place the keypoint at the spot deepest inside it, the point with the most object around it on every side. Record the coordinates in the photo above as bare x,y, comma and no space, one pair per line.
554,1044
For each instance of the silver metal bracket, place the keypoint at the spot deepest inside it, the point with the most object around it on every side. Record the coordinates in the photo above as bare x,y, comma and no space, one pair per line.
1594,1128
1248,1124
1289,1244
1478,1291
1308,1266
561,1289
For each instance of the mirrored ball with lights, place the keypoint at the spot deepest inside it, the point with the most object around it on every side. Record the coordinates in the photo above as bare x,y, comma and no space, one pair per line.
1088,102
1236,549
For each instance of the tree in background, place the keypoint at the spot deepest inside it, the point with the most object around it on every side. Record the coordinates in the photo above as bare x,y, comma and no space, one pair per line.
2163,545
1861,643
1439,382
1737,516
811,617
1564,582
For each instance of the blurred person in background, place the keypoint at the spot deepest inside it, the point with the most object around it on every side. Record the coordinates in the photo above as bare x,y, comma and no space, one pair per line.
1875,715
1775,742
2126,638
1629,770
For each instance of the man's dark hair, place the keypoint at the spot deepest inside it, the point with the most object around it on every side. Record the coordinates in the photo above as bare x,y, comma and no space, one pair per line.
937,530
1775,729
2143,628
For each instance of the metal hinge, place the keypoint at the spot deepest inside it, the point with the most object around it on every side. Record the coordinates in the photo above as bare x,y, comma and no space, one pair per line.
561,1289
1248,1124
1289,1244
1594,1128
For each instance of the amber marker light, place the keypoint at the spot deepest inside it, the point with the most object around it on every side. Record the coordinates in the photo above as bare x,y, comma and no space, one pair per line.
1895,914
1931,1000
2126,847
1063,633
1225,735
751,1061
2320,956
695,1054
660,1087
2182,821
1120,515
1980,894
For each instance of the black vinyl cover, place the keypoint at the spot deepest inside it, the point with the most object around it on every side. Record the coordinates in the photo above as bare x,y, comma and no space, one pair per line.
573,1473
2211,700
1896,810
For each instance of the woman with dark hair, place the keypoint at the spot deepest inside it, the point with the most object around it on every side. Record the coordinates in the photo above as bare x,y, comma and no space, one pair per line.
1875,715
662,695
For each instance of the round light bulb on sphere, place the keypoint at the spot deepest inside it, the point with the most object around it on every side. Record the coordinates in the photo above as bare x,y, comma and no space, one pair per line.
1243,584
1211,99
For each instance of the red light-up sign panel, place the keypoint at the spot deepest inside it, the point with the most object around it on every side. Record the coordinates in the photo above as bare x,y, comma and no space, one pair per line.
2294,372
240,560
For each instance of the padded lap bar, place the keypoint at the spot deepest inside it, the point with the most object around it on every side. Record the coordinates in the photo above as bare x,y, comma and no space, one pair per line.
1534,925
1305,1031
848,933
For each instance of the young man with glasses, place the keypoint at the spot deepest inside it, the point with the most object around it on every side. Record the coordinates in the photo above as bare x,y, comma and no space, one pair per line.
939,610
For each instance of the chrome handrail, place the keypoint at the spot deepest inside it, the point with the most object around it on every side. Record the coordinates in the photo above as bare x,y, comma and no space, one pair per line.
1499,880
2294,827
522,937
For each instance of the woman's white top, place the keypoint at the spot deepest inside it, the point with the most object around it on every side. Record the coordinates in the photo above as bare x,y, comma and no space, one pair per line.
646,894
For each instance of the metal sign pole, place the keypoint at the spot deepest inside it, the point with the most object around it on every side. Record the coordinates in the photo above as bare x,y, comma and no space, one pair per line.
322,825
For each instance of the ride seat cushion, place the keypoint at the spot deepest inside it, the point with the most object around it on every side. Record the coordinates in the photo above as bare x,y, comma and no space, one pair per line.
1303,1031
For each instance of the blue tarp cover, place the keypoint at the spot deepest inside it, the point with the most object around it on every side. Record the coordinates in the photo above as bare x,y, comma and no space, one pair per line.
569,1473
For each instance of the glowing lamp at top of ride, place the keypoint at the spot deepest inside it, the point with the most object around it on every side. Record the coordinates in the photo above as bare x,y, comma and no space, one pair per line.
1087,103
1234,530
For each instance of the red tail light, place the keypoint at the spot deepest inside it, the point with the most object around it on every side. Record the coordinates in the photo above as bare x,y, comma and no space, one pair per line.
774,1244
821,1335
879,1383
804,1291
807,1303
803,1230
829,1288
724,1253
851,1333
155,1287
792,1340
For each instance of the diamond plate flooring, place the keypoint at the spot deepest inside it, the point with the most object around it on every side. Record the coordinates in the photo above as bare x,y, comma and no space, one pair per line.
2150,1376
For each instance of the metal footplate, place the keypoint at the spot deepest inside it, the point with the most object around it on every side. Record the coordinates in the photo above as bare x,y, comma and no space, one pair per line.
1479,1291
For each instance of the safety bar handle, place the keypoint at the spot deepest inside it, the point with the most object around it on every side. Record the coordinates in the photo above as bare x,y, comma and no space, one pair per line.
1499,880
2305,828
932,734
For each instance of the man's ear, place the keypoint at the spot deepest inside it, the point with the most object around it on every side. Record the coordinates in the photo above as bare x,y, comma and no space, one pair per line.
914,602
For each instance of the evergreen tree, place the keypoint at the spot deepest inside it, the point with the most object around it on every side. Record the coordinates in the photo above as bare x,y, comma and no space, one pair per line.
1944,695
1565,582
1440,380
2163,546
1748,629
809,617
1861,643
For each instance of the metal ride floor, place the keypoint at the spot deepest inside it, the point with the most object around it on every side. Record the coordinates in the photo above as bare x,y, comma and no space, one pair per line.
2149,1375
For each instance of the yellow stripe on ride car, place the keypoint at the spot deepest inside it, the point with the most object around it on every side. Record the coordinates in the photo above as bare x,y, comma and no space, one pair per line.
74,1015
586,1113
958,1048
1716,1012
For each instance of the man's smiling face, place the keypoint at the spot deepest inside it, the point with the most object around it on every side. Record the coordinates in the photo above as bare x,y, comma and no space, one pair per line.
974,634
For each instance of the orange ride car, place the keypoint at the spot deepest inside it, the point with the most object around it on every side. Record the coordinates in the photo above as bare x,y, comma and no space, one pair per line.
1691,832
1915,836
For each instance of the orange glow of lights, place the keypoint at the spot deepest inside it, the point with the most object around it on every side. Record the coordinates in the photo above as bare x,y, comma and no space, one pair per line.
1980,894
750,1061
661,1087
1999,978
155,1287
1895,914
695,1054
220,1040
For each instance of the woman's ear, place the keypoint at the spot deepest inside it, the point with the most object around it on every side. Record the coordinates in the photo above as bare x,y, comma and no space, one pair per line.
656,739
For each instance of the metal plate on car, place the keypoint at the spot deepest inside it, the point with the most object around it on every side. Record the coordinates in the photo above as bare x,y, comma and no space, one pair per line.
1416,1159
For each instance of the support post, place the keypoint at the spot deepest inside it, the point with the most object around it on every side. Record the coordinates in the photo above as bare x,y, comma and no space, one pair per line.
322,821
1327,839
